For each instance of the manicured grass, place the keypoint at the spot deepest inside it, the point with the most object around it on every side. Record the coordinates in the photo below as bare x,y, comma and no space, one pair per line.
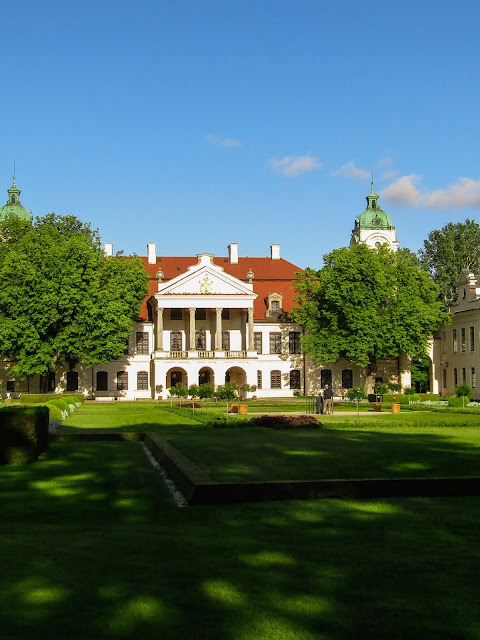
93,547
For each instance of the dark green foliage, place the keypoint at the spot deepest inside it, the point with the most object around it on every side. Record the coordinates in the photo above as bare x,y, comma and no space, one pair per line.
420,372
464,390
366,304
447,251
228,391
206,390
380,388
84,304
23,434
179,391
356,393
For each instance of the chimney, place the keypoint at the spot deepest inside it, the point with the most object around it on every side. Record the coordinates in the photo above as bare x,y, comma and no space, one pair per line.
108,249
233,253
152,252
275,251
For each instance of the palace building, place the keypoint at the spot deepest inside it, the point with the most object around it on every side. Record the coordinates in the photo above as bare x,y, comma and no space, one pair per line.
220,319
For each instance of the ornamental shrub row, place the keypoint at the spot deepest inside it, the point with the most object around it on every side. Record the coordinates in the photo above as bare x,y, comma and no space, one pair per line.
285,422
41,398
23,434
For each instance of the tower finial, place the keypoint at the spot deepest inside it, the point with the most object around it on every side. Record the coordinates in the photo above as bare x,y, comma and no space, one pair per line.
372,181
14,174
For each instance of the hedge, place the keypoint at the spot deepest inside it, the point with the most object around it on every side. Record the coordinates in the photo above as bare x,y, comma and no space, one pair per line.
23,434
40,398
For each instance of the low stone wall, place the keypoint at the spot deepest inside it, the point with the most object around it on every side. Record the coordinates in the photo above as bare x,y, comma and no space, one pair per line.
199,488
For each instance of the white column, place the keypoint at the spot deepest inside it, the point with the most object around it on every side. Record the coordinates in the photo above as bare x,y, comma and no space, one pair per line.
218,339
192,329
159,330
250,329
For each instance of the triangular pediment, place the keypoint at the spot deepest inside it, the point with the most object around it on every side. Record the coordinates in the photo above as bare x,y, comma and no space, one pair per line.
205,279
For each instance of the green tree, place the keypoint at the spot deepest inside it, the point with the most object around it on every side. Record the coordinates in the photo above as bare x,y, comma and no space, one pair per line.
366,304
61,300
447,251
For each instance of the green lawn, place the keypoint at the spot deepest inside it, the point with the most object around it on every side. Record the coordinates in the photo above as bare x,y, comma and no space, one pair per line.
92,546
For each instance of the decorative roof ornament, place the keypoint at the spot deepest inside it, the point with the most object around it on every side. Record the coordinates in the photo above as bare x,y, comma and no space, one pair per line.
159,274
206,285
250,276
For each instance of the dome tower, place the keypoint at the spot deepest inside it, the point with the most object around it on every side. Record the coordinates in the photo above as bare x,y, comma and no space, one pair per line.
374,226
14,206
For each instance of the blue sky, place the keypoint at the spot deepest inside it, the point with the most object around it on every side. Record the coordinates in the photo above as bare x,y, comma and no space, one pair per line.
198,123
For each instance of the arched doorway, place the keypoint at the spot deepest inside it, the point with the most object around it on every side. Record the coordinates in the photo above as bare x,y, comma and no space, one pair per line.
236,375
206,376
176,376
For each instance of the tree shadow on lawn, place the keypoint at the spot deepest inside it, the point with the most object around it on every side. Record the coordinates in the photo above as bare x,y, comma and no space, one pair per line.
93,547
264,454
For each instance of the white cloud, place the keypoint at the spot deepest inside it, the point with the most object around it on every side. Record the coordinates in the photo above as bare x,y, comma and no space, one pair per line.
222,141
292,166
408,190
349,170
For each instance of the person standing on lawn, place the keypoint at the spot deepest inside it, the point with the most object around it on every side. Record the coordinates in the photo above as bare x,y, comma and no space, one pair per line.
320,402
327,400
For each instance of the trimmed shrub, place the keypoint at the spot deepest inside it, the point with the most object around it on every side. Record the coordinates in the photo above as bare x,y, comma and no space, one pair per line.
189,405
285,422
458,401
41,398
23,434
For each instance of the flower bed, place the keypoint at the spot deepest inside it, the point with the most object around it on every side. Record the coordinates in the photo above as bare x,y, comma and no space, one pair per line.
285,422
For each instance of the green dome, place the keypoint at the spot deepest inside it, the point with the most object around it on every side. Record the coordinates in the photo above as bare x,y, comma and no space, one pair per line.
14,206
373,217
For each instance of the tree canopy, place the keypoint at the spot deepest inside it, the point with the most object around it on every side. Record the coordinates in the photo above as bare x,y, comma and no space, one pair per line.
447,251
61,300
366,304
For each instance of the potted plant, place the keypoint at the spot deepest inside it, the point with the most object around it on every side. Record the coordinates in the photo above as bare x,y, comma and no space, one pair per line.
380,389
395,388
159,389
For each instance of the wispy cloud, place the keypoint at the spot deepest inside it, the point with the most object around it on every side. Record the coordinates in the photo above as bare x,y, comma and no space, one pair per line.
349,170
222,141
386,171
409,191
293,166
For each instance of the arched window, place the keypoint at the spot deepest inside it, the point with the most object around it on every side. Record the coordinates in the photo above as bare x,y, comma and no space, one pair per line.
122,381
275,379
142,380
295,379
102,381
347,378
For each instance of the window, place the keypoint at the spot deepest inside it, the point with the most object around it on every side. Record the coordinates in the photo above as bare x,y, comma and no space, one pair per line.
444,378
51,383
455,378
275,305
142,342
472,338
276,342
122,381
454,340
226,340
72,380
11,386
294,344
142,381
326,377
462,333
175,314
257,341
225,314
102,381
259,379
200,314
295,379
347,379
464,375
275,379
444,342
473,377
200,340
175,340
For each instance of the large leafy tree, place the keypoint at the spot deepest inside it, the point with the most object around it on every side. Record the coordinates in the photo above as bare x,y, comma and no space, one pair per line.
447,251
366,304
61,300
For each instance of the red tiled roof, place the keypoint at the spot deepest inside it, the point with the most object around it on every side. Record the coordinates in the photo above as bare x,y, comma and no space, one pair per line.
270,276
